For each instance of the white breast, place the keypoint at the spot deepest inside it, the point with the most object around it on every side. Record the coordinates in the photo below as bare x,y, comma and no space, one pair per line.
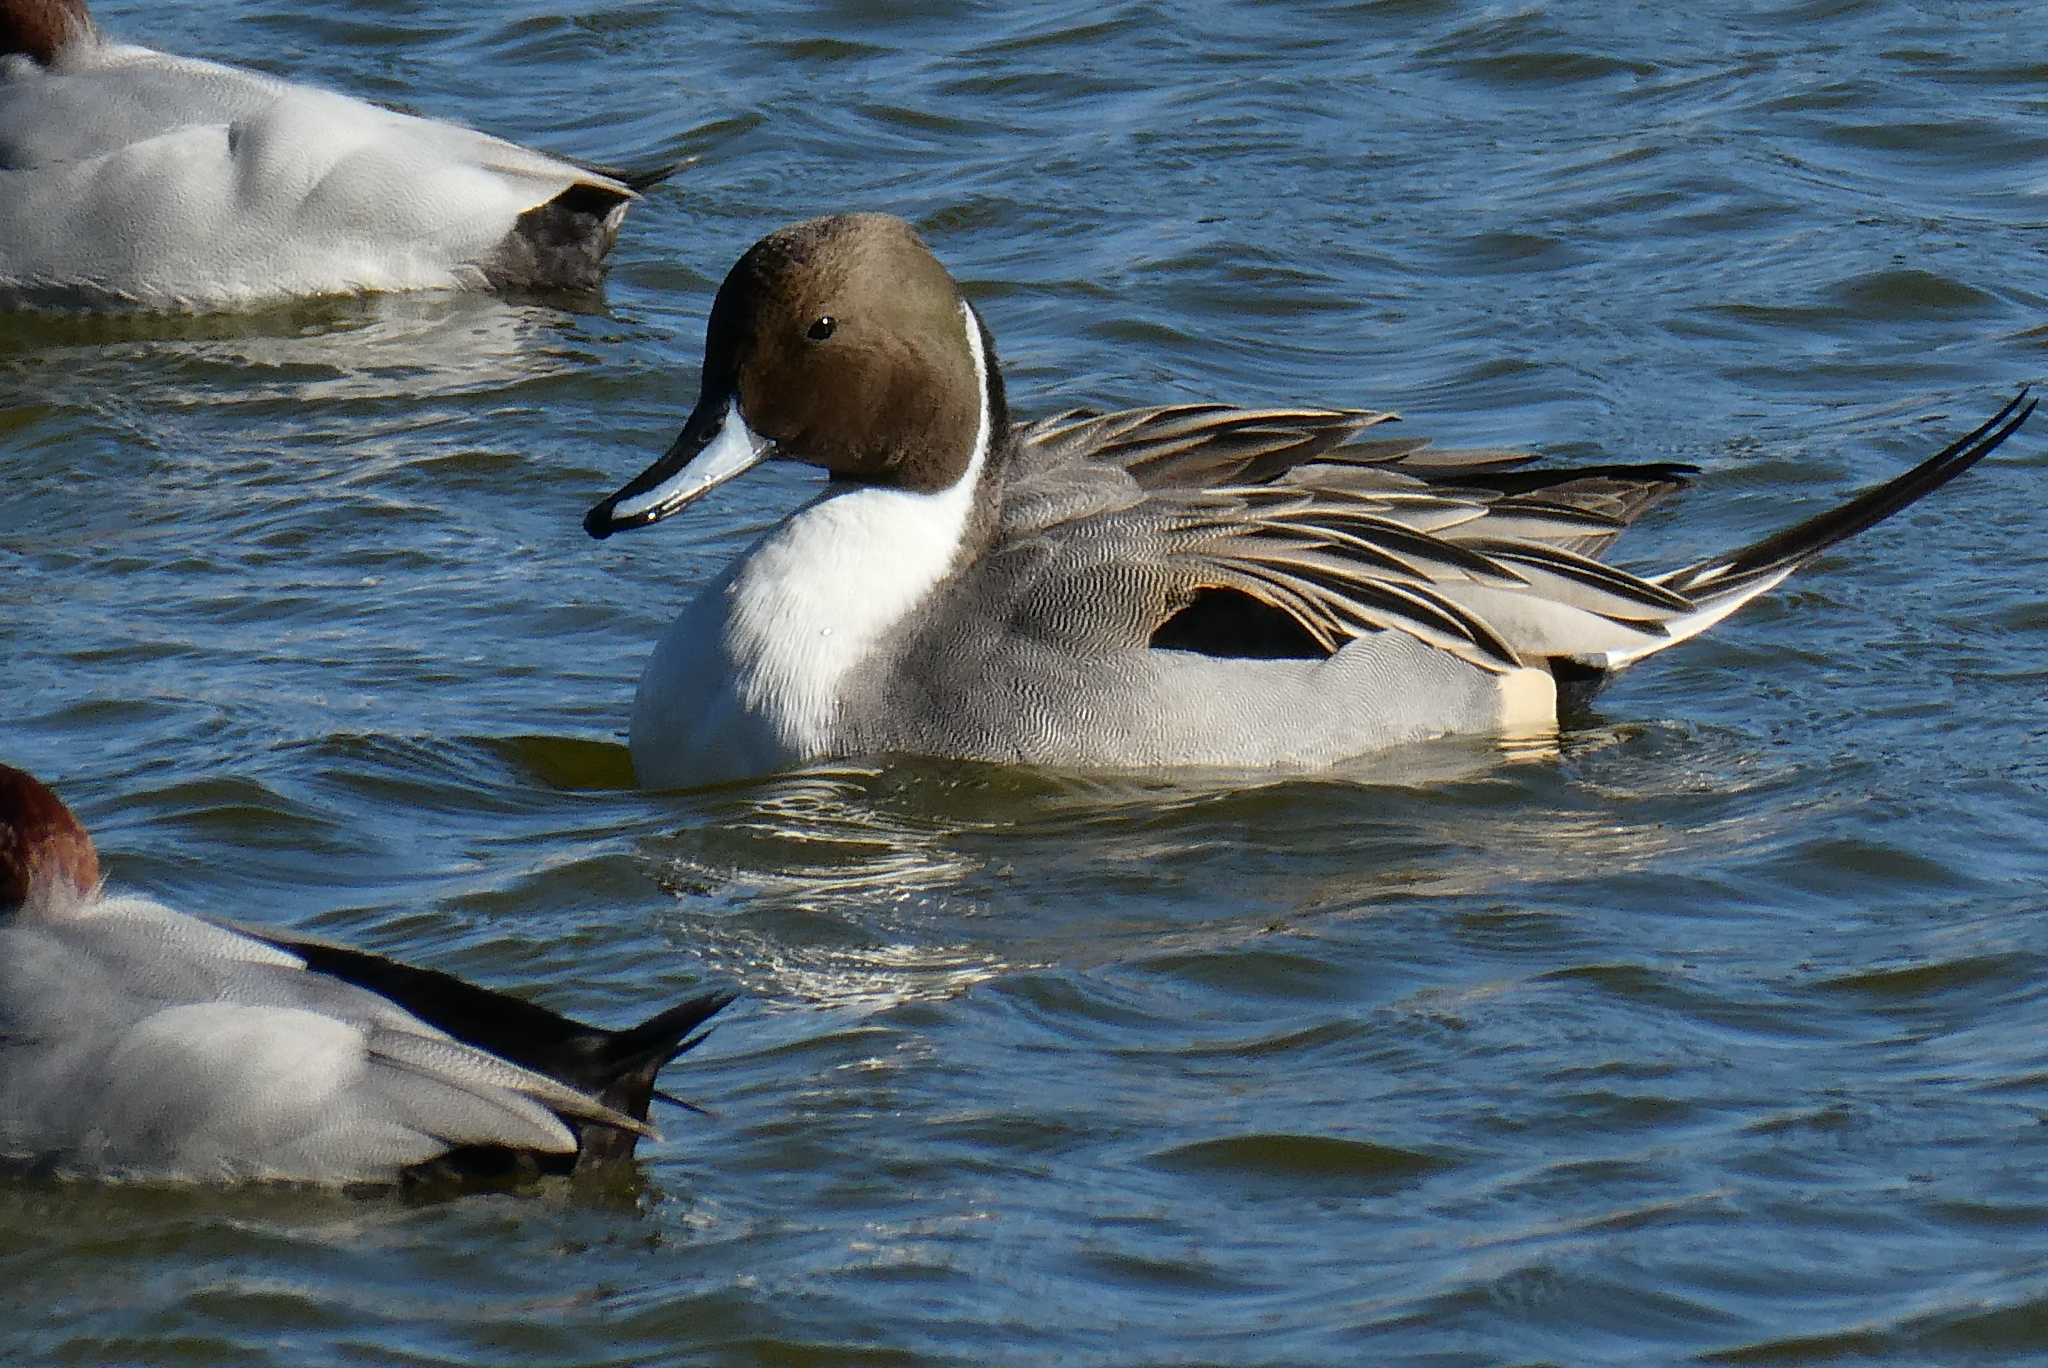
749,679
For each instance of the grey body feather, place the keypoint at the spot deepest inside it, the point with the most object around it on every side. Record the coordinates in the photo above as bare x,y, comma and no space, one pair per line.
137,1041
1415,577
1109,525
131,177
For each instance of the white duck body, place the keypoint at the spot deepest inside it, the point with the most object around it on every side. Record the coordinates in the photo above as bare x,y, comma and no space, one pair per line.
129,177
144,1043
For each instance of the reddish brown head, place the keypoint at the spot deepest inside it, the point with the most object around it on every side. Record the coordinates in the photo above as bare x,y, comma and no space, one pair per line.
40,29
46,859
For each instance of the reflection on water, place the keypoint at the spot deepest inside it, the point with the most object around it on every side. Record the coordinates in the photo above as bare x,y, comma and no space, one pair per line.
323,351
847,883
1598,1049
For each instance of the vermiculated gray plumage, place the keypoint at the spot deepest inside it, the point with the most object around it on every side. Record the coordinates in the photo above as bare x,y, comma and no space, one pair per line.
139,1042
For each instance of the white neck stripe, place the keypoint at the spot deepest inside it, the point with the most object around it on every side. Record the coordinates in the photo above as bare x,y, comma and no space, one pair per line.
982,435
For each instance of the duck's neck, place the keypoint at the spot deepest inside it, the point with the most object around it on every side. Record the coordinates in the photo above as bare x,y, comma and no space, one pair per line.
40,29
822,591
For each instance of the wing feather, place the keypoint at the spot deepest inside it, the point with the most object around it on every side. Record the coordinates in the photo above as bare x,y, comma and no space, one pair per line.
1343,534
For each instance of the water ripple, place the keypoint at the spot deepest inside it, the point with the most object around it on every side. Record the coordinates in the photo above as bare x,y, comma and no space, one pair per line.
1708,1029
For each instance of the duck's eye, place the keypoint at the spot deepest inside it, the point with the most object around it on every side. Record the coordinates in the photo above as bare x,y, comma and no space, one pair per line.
821,329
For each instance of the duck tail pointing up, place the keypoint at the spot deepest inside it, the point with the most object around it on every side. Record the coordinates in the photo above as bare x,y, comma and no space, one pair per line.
1721,584
633,1058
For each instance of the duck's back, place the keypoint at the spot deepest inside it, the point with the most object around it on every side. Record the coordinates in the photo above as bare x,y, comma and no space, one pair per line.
140,1041
130,176
1045,648
1210,586
100,97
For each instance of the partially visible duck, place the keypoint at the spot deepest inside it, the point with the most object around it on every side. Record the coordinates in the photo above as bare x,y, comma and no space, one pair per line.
129,177
1185,585
139,1042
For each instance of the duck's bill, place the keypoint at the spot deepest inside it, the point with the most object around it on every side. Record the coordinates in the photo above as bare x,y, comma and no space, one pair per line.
703,458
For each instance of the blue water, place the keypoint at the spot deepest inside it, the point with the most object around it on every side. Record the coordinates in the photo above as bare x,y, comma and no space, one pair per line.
1716,1035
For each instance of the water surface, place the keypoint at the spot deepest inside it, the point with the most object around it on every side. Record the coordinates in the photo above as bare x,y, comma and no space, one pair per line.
1715,1035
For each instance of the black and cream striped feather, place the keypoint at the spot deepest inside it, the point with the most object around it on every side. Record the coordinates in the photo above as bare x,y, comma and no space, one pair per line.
1472,552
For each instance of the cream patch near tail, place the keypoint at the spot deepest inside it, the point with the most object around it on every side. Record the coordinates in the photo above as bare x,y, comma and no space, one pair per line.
1528,703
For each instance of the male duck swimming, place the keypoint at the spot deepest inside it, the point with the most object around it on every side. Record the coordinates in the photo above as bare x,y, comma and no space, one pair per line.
1188,585
131,178
139,1042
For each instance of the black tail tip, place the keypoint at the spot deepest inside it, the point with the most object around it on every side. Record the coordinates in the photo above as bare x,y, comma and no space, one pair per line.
670,1031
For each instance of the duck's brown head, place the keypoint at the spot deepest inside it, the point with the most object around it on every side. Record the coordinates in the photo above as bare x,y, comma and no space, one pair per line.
47,863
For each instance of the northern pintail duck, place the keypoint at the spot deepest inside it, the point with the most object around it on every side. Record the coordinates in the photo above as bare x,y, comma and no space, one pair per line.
129,177
140,1042
1187,585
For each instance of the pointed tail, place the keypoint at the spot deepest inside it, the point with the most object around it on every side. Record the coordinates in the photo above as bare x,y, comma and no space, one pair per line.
639,179
632,1059
1721,584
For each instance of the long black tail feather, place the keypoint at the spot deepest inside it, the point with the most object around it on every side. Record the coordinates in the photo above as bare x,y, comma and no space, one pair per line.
1805,540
